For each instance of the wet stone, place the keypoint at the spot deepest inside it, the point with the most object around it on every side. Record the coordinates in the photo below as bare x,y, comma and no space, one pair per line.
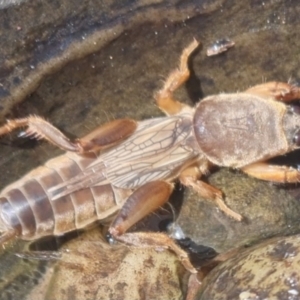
81,63
267,210
269,270
89,268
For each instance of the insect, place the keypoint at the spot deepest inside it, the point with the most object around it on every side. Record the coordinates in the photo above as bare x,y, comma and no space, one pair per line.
128,168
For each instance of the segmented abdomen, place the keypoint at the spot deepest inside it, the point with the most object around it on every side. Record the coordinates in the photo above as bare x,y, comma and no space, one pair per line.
25,204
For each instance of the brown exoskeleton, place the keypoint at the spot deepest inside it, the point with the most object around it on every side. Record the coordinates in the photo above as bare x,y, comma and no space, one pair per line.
130,166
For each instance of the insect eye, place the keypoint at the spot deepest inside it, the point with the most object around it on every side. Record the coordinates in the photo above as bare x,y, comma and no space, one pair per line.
296,138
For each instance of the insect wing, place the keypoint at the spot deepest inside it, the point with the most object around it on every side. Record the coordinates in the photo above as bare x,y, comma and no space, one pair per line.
153,152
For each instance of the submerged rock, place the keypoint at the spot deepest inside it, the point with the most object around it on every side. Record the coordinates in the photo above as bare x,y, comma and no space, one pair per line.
269,270
268,210
81,63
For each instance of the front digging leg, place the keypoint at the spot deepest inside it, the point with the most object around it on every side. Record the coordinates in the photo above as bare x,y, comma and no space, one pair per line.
274,173
281,91
140,203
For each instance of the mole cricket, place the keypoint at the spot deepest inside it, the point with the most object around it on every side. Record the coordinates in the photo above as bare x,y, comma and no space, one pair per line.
127,168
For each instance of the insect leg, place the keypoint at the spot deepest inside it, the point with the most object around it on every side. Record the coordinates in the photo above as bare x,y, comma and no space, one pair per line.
104,136
107,135
164,97
140,203
264,171
157,241
194,285
189,177
281,91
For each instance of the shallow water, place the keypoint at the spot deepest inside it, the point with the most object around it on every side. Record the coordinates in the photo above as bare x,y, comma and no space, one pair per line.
79,65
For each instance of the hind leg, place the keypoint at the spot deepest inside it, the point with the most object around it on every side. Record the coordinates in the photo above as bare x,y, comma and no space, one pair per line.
104,136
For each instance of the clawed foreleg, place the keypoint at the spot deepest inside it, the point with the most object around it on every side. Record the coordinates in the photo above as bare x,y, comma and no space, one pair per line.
280,91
